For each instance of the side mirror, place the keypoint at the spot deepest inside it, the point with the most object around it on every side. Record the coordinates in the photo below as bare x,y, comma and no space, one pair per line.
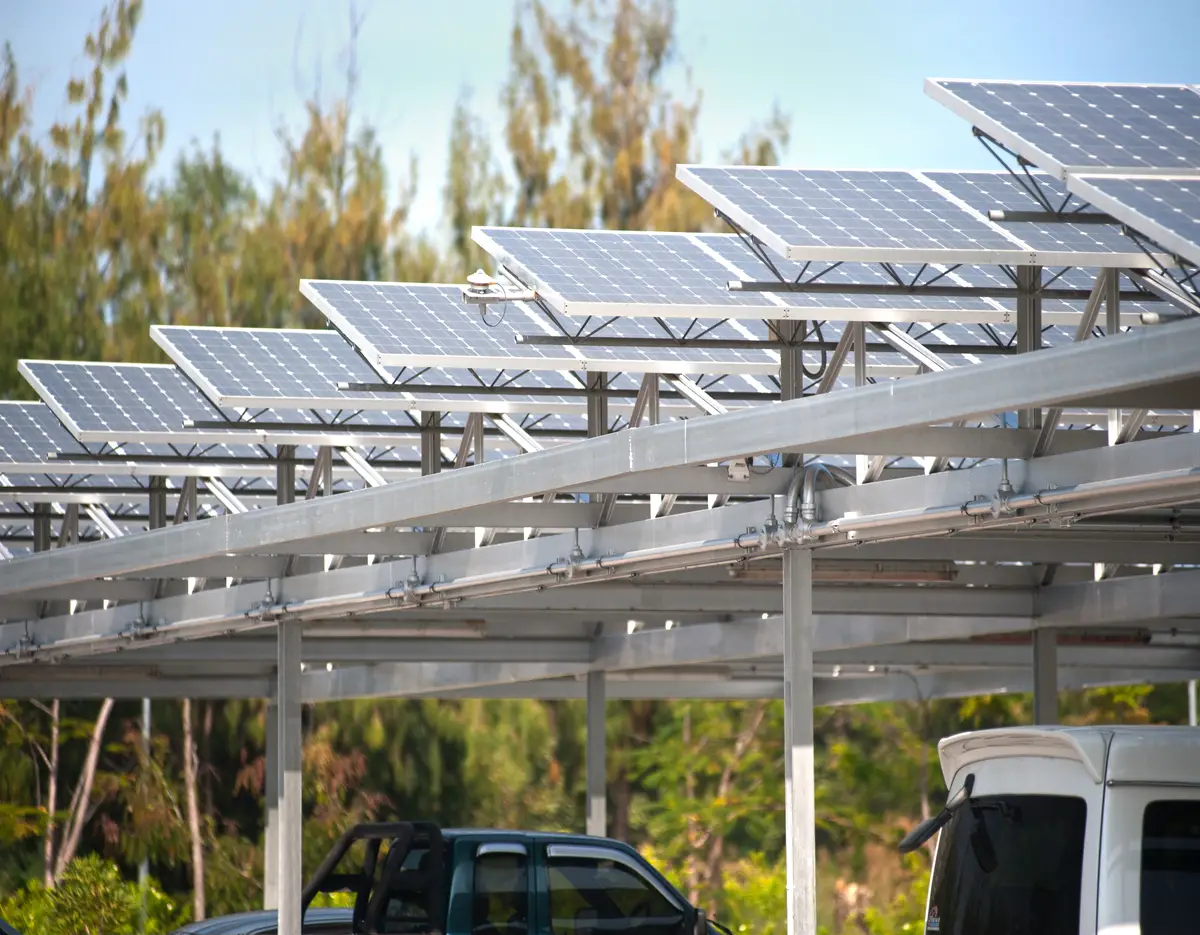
701,925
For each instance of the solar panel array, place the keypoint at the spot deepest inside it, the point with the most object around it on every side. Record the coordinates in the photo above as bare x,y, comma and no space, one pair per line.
631,303
1130,150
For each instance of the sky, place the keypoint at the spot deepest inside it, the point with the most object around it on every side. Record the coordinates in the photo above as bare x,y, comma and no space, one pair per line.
850,74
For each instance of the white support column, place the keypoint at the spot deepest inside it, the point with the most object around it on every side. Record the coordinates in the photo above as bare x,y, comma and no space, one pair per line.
271,806
1045,676
799,779
1192,702
862,463
291,883
596,780
1112,326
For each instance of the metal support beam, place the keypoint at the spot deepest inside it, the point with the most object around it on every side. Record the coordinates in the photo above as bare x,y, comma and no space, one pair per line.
41,527
799,778
291,789
1029,329
1112,327
1045,676
285,474
597,795
187,507
862,463
271,833
1083,330
158,502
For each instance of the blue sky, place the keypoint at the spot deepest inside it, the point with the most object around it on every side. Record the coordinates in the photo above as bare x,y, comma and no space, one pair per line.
849,73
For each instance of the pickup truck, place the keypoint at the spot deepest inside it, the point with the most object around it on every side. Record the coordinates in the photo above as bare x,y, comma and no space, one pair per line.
1066,831
414,878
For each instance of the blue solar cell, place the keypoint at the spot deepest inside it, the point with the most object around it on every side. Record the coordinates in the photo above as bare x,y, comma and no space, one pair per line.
1059,126
30,433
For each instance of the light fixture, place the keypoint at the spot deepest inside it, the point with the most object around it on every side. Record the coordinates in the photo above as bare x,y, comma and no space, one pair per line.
329,667
670,624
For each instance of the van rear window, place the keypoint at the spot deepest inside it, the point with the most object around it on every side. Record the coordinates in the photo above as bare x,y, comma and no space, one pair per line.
1010,863
1170,867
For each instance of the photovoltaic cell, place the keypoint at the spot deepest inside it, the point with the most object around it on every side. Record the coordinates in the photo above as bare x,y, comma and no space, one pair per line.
1165,209
410,324
1062,127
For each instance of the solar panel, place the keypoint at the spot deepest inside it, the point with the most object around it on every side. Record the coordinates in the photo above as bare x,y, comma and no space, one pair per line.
609,274
1163,208
614,273
29,434
152,403
413,324
870,216
1065,127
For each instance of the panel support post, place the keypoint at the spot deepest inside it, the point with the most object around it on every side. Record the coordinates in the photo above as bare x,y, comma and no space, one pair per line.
1029,328
799,778
597,796
791,367
285,474
862,463
1192,702
431,443
271,807
1112,327
158,502
1045,676
291,882
41,527
597,414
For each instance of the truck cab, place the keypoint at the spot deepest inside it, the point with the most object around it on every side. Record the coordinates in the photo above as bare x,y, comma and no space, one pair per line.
413,878
1067,831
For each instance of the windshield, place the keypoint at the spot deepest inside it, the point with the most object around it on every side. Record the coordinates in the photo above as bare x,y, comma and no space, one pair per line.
1009,865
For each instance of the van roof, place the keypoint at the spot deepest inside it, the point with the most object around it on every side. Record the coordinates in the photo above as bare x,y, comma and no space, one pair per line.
1085,745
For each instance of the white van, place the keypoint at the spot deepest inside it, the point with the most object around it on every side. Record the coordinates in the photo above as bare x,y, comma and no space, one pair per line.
1067,831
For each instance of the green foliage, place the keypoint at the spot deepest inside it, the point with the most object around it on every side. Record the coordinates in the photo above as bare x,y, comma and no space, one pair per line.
91,899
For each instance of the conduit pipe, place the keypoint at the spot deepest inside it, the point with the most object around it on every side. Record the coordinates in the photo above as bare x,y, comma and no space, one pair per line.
415,593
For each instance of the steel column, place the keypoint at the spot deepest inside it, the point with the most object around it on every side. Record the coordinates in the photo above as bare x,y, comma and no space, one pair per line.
799,779
271,807
158,502
862,463
1045,676
1029,329
431,443
597,796
41,527
1112,327
289,777
1192,702
285,474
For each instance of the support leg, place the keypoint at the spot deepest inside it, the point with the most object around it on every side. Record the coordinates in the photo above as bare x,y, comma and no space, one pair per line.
799,779
271,806
290,881
1045,676
597,818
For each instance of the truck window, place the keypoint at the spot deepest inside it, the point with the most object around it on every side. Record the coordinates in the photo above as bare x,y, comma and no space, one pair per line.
1170,867
501,895
1011,863
591,895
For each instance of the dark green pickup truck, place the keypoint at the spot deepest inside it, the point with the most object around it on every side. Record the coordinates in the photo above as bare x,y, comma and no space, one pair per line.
413,878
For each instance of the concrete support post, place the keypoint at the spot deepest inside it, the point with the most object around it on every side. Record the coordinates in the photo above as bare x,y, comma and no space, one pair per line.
1045,676
799,779
271,807
291,882
597,797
